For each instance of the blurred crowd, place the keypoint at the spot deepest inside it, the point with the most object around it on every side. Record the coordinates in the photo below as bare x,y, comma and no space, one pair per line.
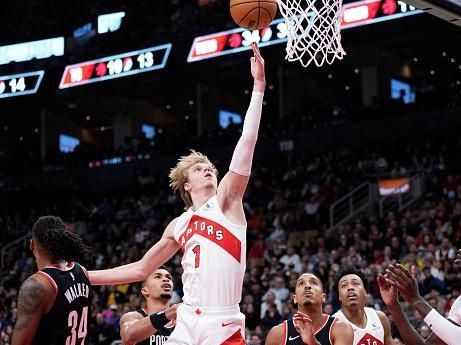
287,202
287,210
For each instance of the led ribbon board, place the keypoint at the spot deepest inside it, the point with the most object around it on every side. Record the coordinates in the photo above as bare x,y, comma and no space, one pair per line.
32,50
236,40
116,66
20,84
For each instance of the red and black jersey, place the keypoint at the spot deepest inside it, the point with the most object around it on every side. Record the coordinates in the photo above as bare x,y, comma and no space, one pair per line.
160,336
68,320
323,334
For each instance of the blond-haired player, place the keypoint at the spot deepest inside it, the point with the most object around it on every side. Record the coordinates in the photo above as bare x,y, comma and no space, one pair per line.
212,236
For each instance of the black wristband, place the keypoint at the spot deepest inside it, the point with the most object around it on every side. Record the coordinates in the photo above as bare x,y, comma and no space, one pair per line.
158,320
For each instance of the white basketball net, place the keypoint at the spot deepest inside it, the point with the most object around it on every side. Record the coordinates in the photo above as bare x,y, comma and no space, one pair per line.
313,30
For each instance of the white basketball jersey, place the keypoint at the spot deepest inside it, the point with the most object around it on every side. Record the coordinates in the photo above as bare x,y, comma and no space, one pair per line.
214,259
372,334
455,311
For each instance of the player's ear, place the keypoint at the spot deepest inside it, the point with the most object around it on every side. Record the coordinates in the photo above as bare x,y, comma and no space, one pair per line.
187,186
31,244
295,301
324,298
145,291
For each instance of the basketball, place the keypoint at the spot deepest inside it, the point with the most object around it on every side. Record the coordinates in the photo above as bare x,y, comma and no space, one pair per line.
253,14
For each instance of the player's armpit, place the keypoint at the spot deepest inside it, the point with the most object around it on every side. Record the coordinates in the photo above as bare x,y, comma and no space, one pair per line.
275,336
342,333
31,306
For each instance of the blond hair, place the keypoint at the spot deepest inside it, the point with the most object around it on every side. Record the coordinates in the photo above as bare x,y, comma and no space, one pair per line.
178,174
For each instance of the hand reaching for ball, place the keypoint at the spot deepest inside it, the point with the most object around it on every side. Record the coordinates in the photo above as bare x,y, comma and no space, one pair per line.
257,69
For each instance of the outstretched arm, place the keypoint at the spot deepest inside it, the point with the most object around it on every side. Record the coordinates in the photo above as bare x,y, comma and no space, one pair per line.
234,183
156,256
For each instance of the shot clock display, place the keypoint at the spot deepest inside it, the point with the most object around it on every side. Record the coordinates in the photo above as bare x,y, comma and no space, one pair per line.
116,66
354,14
20,84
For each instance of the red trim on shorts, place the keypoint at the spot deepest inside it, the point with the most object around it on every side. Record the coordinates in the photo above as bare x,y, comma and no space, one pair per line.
50,279
285,331
235,339
331,329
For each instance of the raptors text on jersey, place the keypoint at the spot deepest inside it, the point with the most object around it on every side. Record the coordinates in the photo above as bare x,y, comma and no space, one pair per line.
213,256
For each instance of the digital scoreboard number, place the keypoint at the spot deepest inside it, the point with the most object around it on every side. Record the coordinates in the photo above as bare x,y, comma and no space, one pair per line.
116,66
353,14
20,84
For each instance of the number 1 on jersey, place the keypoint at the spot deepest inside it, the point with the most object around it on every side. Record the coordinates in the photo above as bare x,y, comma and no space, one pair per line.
196,251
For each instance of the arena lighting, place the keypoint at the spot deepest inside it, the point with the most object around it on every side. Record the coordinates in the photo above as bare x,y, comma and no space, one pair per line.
20,84
394,186
83,30
32,50
110,22
354,14
116,66
118,160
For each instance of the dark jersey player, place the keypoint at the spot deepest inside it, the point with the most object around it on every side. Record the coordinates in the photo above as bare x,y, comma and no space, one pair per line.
54,303
310,325
151,325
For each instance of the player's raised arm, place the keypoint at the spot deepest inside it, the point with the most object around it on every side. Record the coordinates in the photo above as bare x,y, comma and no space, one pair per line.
389,295
407,284
156,256
234,183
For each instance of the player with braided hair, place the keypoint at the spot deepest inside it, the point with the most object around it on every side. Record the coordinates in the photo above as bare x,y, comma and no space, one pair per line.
54,303
50,233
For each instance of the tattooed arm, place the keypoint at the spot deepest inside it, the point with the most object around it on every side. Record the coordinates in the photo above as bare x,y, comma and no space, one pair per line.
34,300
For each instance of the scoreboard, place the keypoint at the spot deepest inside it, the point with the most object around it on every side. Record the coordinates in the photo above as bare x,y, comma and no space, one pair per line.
20,84
354,14
116,66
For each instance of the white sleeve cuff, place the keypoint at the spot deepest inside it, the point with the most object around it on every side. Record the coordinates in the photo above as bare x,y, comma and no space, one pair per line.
443,328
